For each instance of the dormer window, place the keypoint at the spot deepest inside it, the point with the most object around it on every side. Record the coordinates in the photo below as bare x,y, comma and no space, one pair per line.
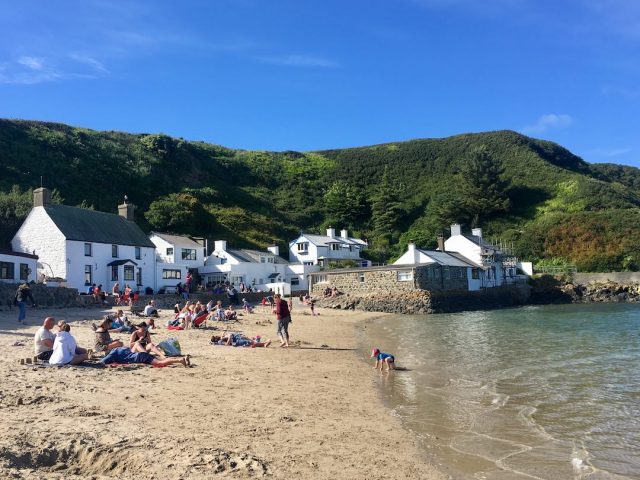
170,251
335,246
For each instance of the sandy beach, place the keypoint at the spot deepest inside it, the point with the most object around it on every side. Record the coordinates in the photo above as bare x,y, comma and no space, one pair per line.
310,411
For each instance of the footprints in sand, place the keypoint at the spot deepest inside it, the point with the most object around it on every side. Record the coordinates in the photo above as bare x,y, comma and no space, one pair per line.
219,461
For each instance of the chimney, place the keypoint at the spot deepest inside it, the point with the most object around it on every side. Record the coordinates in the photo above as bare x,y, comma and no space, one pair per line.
275,249
331,232
220,246
126,209
41,197
456,229
411,249
441,242
477,232
344,233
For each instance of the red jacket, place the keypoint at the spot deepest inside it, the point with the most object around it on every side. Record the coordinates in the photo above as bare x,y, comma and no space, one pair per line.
282,309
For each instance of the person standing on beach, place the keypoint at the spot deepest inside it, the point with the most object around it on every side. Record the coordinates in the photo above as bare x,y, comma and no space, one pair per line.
284,319
22,295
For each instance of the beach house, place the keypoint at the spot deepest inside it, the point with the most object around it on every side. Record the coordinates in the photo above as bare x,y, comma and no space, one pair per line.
176,255
259,269
86,246
325,250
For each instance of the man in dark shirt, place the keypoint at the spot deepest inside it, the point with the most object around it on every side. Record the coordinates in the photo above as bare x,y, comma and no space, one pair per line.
284,319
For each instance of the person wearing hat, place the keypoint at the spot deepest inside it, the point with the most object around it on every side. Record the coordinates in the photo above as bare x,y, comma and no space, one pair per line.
22,295
140,341
382,359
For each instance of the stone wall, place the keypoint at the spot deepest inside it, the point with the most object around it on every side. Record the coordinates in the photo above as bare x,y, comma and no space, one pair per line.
52,297
611,277
378,280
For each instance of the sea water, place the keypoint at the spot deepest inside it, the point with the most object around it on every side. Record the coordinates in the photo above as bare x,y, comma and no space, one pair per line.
543,392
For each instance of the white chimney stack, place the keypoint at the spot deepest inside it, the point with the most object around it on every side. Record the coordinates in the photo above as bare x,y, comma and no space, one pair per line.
411,249
344,233
456,229
331,232
275,249
220,245
477,232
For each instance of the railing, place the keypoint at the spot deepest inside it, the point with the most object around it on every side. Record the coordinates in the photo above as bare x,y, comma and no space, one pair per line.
555,270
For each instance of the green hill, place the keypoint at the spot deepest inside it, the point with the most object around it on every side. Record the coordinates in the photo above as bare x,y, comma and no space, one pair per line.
549,204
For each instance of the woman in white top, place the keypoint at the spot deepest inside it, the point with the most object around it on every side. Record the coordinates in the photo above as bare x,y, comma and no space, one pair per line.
65,350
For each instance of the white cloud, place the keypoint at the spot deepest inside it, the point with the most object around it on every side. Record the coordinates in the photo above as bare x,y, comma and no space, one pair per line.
89,61
548,121
300,61
32,63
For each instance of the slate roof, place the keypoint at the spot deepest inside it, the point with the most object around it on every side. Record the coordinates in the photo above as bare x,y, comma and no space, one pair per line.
86,225
18,254
450,259
253,256
479,241
181,240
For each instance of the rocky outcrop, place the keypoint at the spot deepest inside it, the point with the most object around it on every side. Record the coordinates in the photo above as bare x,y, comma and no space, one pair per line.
602,292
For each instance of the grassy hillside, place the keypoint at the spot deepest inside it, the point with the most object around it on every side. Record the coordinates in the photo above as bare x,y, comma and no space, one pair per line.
550,204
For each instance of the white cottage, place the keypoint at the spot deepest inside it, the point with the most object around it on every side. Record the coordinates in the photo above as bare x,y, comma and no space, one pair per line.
17,267
258,269
310,249
85,246
175,256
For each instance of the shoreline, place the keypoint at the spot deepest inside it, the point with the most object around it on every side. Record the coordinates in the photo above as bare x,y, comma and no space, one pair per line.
306,412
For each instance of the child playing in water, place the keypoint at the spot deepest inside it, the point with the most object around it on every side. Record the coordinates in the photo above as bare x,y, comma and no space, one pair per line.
382,359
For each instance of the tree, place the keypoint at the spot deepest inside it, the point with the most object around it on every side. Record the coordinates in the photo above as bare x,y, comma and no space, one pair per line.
482,189
180,212
345,205
386,210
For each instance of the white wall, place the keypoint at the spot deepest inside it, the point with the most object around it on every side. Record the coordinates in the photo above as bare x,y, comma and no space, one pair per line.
311,255
161,282
38,233
161,252
101,273
17,261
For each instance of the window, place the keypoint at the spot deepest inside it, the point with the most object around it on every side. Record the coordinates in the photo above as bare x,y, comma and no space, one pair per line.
170,251
361,277
128,273
335,246
447,273
188,254
271,260
114,273
303,247
405,276
24,271
137,253
307,263
295,281
6,270
263,260
114,251
139,276
88,278
475,273
87,249
172,274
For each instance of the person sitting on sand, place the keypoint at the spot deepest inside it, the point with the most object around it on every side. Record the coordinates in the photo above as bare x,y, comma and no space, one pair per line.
126,355
150,309
120,323
238,340
230,313
383,359
140,341
104,342
44,338
247,306
65,349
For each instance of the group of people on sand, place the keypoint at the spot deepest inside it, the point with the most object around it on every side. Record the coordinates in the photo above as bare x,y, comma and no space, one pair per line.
53,343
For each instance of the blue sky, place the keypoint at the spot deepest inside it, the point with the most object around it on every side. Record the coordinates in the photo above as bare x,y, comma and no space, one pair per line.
315,74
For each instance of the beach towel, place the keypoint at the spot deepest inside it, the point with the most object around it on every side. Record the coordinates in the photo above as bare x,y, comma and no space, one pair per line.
175,327
80,365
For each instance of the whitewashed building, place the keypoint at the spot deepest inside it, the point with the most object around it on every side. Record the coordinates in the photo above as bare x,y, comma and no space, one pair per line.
309,249
176,255
17,267
86,246
259,269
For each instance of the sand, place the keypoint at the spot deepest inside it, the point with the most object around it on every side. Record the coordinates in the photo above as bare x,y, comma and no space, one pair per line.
304,412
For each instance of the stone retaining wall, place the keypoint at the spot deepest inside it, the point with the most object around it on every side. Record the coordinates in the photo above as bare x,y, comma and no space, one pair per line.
51,297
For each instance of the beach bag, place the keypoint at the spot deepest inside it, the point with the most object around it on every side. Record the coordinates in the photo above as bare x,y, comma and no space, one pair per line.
170,346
